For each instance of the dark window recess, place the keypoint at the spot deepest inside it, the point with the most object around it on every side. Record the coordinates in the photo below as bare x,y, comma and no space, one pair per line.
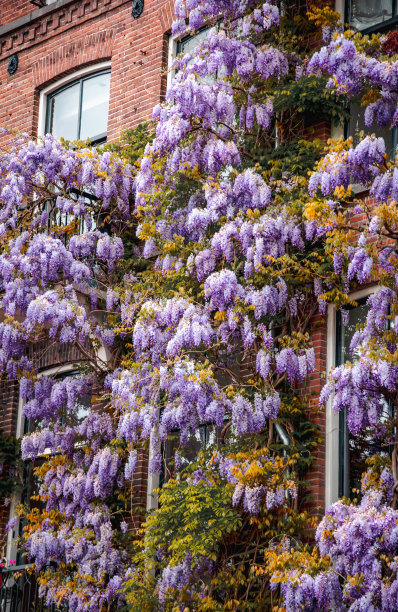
356,124
80,109
31,488
39,3
188,43
31,482
82,407
353,450
372,15
207,435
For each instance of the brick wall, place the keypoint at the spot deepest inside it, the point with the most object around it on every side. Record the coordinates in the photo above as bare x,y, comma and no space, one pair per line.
71,34
14,9
79,34
315,478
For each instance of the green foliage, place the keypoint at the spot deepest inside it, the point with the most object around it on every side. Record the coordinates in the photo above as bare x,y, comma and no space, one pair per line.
197,517
295,157
310,97
10,465
131,143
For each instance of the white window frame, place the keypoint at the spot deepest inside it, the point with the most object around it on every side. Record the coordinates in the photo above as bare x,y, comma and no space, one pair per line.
173,43
332,428
11,550
75,76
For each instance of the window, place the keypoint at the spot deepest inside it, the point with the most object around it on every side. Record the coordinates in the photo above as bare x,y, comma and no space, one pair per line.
207,435
79,110
372,15
82,406
31,482
183,45
353,450
356,125
188,43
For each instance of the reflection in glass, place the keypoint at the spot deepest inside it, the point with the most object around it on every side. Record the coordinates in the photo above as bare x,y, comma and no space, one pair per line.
207,435
80,110
64,113
357,125
354,450
95,104
366,13
190,42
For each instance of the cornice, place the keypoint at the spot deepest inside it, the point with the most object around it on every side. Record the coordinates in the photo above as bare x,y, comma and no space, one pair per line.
42,24
32,16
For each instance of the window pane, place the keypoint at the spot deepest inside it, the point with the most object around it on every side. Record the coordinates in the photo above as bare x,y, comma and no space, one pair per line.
64,113
95,104
82,403
207,435
366,13
189,43
354,450
357,317
357,125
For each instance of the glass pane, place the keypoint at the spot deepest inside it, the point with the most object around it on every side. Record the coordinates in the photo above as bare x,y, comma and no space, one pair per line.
64,113
207,435
355,450
357,317
82,403
95,105
357,125
366,13
189,43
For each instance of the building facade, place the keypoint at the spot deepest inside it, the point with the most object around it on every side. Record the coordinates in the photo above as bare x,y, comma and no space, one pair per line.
92,68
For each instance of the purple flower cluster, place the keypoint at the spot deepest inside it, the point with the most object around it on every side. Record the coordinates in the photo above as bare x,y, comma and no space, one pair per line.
265,492
360,164
296,367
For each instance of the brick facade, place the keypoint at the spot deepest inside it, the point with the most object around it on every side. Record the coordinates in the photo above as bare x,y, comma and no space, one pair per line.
69,35
57,40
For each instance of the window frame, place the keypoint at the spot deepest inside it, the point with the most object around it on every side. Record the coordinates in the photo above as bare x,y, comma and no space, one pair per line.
62,84
12,551
175,43
377,27
332,418
344,458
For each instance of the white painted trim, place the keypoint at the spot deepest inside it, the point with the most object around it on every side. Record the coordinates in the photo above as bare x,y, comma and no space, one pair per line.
60,83
173,41
153,481
332,417
339,7
11,550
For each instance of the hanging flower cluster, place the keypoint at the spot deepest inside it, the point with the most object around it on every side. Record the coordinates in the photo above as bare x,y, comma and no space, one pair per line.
210,328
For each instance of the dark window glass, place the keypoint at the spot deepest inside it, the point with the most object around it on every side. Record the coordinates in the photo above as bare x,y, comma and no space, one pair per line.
190,42
368,13
354,450
207,435
82,403
80,110
357,125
